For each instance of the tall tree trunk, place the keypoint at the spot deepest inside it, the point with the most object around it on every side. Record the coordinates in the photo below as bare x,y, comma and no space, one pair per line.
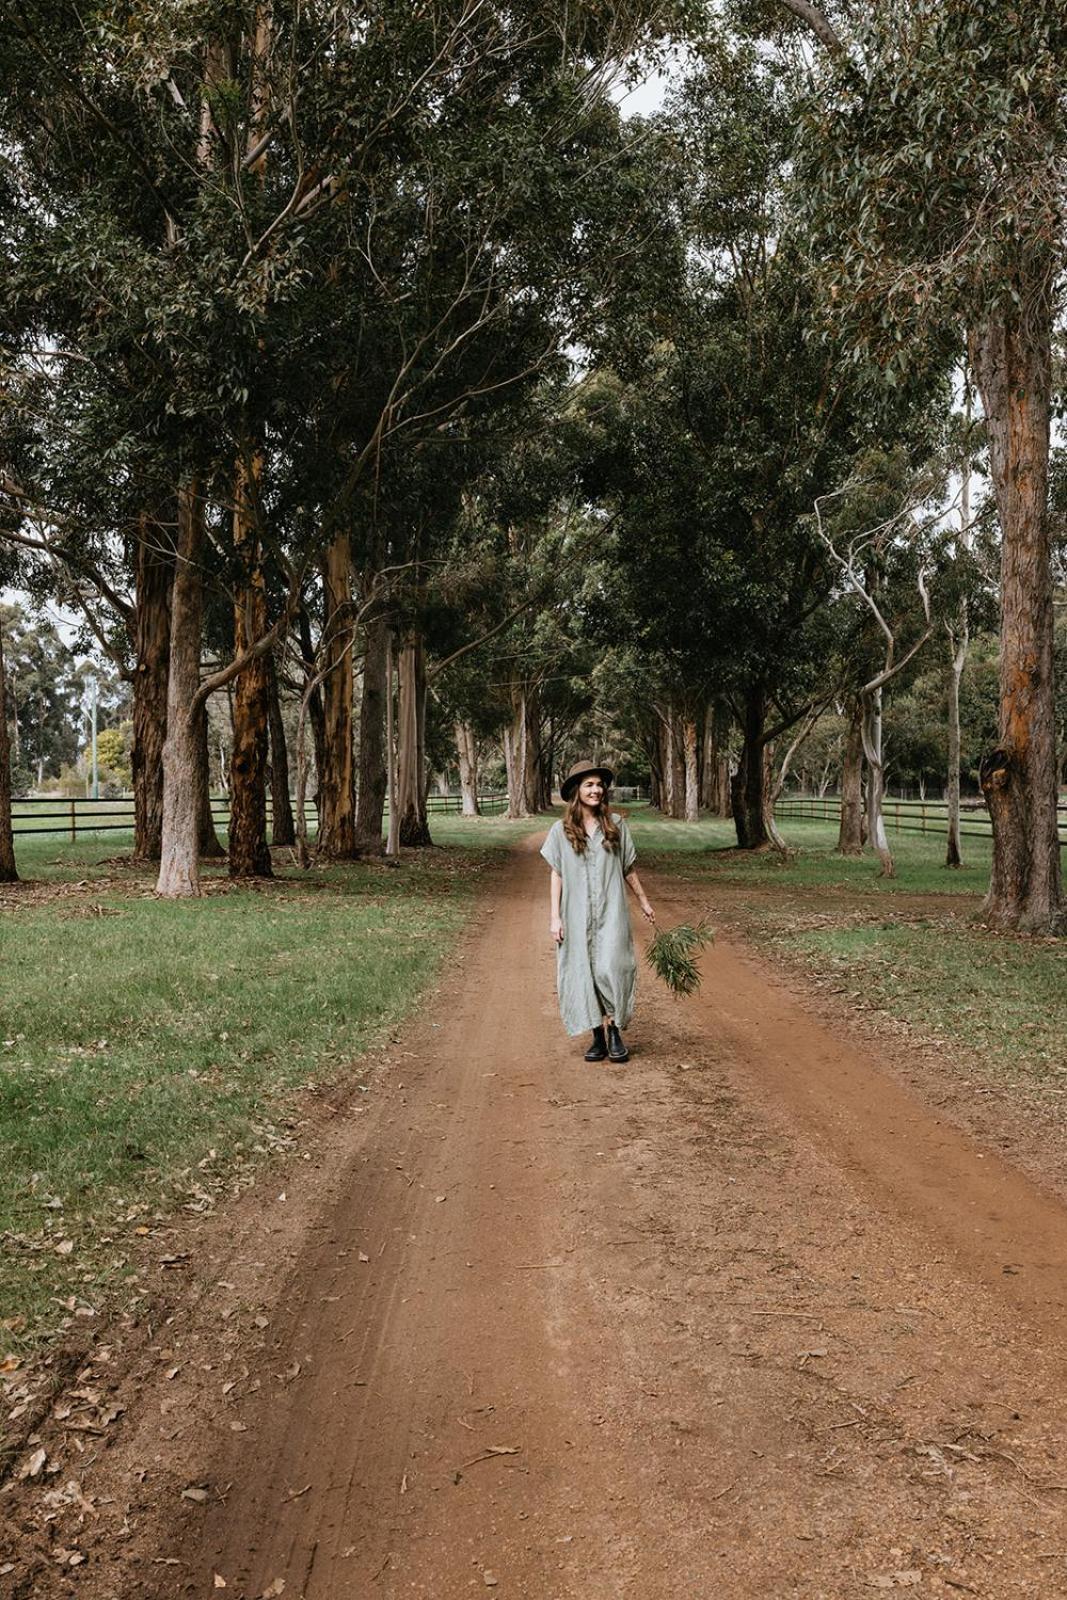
208,846
1011,359
370,800
467,756
772,788
411,741
958,639
692,794
337,793
154,576
872,749
314,710
748,786
392,842
547,766
283,831
515,753
654,754
249,851
708,756
717,765
8,870
179,872
677,766
850,828
531,775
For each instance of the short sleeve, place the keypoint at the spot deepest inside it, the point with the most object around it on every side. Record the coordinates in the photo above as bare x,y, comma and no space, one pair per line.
552,849
628,850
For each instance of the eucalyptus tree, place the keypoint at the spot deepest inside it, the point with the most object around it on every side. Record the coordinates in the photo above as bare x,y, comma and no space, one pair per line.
742,414
224,201
933,153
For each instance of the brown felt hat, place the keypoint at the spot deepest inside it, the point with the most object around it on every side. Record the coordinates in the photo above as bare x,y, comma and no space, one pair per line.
585,769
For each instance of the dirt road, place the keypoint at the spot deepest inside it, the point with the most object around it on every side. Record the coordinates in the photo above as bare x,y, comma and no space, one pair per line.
743,1318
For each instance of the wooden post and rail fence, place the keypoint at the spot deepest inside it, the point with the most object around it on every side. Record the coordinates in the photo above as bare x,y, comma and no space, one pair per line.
75,818
904,816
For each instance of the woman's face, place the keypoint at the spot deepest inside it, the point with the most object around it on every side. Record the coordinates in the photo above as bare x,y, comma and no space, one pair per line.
591,792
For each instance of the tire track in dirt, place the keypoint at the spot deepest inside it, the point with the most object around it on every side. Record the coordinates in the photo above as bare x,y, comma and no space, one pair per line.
741,1319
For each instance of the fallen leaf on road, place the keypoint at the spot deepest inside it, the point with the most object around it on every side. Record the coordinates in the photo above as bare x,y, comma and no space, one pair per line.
295,1494
276,1588
10,1363
197,1494
33,1466
220,1582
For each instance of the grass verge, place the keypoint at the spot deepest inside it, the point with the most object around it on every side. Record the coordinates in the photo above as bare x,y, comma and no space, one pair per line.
150,1051
910,948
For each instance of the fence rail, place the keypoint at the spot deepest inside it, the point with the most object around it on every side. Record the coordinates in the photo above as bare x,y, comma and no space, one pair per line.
907,816
80,817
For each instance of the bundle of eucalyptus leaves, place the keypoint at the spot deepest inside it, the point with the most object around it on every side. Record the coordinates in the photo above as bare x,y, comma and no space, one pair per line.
672,955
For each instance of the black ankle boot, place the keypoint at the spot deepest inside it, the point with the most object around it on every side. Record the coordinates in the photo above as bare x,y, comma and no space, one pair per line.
617,1050
598,1049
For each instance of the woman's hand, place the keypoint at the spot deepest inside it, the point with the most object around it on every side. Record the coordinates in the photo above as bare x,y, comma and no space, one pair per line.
647,912
555,928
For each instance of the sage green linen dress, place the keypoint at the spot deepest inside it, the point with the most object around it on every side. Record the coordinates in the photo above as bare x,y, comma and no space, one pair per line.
596,970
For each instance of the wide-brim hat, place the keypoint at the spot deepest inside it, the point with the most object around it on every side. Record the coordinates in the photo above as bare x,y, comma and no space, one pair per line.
585,769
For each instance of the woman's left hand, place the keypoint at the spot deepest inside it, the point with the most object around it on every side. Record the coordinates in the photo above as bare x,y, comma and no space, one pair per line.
649,914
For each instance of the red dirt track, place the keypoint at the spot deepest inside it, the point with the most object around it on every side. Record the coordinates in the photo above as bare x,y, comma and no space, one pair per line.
744,1318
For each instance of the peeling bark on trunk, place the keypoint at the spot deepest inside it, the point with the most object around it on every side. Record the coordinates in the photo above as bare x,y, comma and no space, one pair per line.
1011,359
370,801
8,869
748,785
179,873
515,754
467,757
337,793
154,576
411,756
249,851
850,829
283,831
692,794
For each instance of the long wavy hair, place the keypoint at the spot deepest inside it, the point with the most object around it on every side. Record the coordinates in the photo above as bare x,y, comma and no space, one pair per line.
574,825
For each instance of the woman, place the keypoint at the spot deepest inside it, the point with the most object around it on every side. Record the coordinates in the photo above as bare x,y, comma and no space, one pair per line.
592,858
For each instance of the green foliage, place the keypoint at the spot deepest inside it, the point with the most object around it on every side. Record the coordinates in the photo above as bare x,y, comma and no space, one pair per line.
930,161
672,955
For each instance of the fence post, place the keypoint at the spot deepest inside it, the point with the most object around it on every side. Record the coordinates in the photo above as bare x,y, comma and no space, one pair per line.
73,822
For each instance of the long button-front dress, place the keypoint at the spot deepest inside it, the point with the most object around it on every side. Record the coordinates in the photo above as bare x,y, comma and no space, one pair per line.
596,971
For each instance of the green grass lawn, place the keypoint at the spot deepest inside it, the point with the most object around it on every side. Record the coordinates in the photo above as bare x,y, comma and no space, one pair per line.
149,1051
998,1004
709,847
